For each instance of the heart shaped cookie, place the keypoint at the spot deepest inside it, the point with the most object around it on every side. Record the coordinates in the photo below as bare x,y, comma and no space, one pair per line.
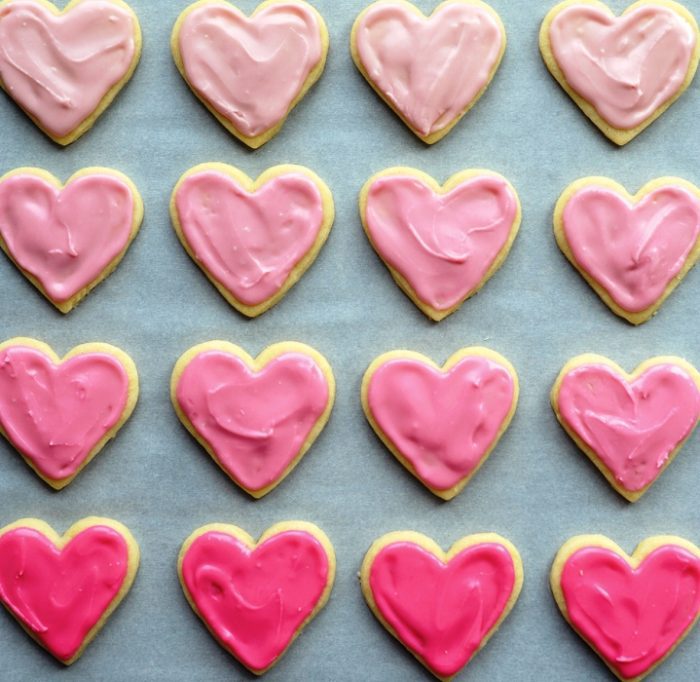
62,589
440,243
255,599
250,72
632,250
66,239
429,70
252,239
633,611
255,417
631,426
442,606
64,67
440,423
60,412
623,72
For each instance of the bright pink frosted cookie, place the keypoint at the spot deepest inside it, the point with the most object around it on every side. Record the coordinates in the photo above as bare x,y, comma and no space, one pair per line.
632,610
633,250
62,589
631,426
255,417
60,412
255,598
442,606
64,67
429,70
441,423
440,243
252,239
623,72
250,72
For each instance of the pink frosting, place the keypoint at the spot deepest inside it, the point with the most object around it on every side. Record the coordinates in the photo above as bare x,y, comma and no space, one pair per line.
431,69
442,611
443,423
628,66
442,244
255,601
56,414
250,70
631,427
255,422
60,67
249,241
60,595
633,617
632,251
65,237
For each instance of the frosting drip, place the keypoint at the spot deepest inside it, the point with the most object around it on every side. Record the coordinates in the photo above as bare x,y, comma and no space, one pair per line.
631,427
60,67
60,595
249,241
442,244
628,66
250,70
431,69
633,617
56,414
254,601
443,423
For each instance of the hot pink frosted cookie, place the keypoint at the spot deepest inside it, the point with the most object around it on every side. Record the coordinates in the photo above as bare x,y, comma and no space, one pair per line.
429,70
250,72
255,598
631,426
64,67
442,606
441,423
60,412
623,72
255,417
62,589
440,243
252,239
632,610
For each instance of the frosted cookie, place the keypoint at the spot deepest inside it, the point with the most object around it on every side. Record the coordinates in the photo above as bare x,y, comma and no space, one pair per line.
442,606
58,413
631,426
633,611
429,70
64,67
253,239
256,417
62,589
250,72
65,239
441,243
256,598
441,423
632,250
623,72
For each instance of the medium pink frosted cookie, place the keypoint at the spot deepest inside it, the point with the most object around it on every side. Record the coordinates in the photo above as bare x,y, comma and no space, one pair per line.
256,598
64,67
250,72
623,72
441,423
442,606
634,610
631,426
429,70
440,243
62,589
